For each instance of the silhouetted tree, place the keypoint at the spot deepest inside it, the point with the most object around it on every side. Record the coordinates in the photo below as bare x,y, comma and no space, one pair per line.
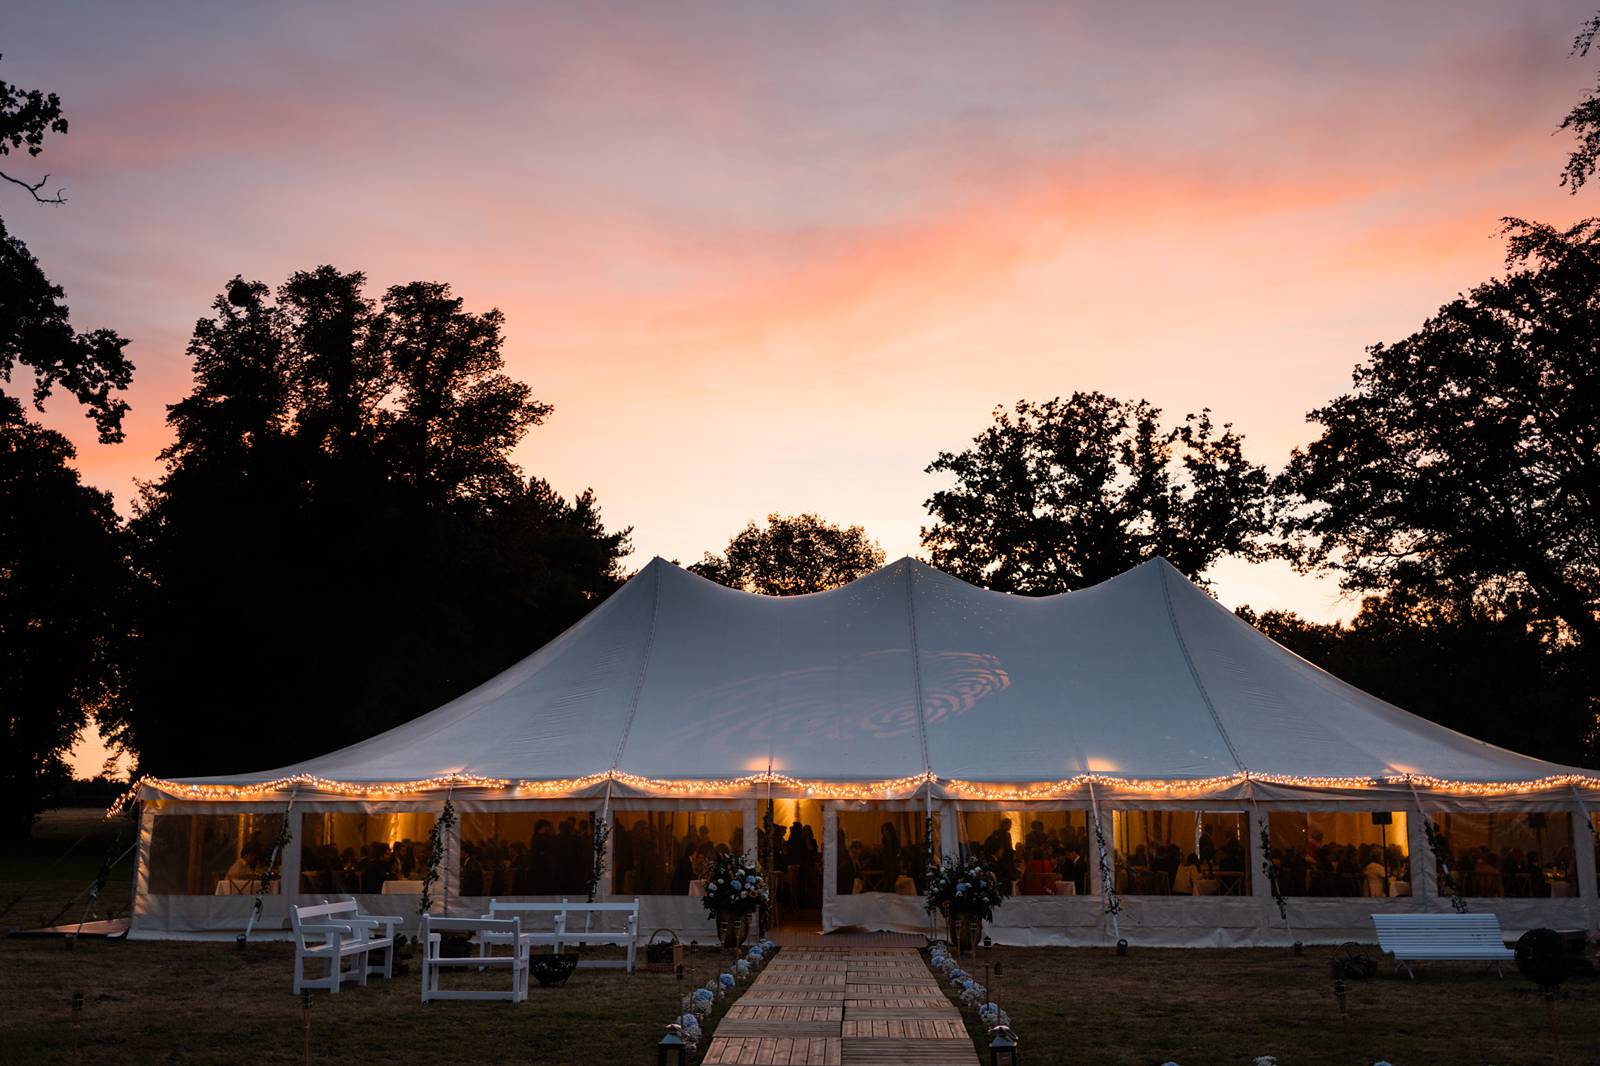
1464,465
1483,669
63,600
26,116
1058,495
36,334
1583,120
792,554
340,540
64,576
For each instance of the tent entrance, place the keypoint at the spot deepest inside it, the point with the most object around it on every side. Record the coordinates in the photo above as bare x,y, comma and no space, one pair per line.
794,856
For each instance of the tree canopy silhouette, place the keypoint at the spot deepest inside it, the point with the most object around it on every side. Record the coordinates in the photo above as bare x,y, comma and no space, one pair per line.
341,540
1583,121
1058,495
64,576
1483,669
64,587
1463,463
26,117
792,554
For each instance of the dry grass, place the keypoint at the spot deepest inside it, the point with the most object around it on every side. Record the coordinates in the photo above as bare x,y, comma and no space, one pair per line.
196,1002
1201,1007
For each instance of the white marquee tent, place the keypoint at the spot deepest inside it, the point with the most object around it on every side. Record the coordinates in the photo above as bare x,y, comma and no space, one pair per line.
911,699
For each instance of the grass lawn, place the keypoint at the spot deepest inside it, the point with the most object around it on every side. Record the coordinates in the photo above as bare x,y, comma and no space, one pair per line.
208,1002
1202,1007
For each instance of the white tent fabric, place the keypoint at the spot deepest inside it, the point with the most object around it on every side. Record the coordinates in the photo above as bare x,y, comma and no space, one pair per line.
907,690
909,671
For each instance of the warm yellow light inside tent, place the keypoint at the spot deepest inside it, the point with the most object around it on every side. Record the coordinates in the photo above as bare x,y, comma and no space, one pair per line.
1098,765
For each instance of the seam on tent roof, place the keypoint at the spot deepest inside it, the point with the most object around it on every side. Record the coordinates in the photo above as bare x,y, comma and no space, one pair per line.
916,666
1194,671
644,664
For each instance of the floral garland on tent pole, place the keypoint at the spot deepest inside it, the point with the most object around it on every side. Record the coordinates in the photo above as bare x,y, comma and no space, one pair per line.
1441,854
1267,868
438,840
1108,880
270,874
600,829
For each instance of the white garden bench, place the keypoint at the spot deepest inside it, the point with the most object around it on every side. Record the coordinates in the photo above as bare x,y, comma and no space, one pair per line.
1442,938
334,932
434,961
564,931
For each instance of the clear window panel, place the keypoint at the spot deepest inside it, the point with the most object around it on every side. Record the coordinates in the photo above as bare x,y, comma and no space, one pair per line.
526,853
1034,852
1344,853
666,852
1181,852
884,851
1510,853
352,852
212,854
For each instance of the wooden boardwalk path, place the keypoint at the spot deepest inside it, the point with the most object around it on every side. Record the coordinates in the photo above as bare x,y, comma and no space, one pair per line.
843,1006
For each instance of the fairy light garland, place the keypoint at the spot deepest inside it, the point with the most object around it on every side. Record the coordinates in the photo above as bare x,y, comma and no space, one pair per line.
894,788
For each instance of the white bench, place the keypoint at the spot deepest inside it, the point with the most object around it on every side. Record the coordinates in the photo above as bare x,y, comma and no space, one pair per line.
508,930
1442,938
563,931
334,932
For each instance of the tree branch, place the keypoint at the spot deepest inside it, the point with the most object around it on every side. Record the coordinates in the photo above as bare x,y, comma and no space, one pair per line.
35,187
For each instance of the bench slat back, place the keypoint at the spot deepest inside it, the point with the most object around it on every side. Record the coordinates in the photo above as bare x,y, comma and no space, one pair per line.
344,908
1433,933
431,924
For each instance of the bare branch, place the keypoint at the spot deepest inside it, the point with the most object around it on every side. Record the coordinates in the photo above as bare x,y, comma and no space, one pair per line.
33,189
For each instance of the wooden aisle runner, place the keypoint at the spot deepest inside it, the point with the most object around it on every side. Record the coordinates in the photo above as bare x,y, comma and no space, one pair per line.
841,1006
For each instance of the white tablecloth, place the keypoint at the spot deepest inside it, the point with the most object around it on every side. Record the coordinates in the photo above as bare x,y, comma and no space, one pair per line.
1066,888
402,888
236,887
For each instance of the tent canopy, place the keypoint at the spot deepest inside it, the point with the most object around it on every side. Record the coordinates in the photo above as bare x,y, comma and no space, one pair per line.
909,671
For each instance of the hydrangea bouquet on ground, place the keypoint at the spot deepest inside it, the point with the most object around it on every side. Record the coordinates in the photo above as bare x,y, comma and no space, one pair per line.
734,885
964,887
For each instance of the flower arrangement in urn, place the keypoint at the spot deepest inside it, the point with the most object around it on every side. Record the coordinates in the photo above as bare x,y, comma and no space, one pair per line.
966,891
735,890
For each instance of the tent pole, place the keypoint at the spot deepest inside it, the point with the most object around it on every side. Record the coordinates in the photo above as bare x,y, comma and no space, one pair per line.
1594,843
272,864
1264,839
1108,874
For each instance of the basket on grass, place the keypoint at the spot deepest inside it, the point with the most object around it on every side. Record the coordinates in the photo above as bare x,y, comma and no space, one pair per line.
663,956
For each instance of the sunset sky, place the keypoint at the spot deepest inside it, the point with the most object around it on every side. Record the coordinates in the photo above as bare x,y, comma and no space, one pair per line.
774,257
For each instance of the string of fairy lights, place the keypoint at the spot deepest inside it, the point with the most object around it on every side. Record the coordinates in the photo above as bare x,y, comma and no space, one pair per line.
893,788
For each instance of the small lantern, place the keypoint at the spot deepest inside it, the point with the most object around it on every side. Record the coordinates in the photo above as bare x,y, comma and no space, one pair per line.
987,942
1339,994
1003,1050
1122,947
673,1050
239,941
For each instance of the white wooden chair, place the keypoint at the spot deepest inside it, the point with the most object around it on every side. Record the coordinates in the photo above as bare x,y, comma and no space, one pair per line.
506,930
564,931
333,932
1442,938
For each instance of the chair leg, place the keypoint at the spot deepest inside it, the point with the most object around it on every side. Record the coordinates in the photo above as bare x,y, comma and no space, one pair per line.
362,960
299,972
